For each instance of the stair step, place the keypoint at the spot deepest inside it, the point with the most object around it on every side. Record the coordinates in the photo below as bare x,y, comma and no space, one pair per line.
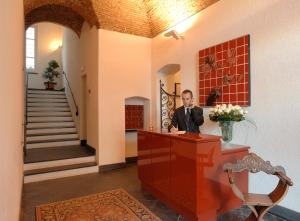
42,109
50,141
50,131
39,104
49,119
59,168
61,174
58,96
50,125
56,163
53,144
44,113
57,156
47,100
29,91
47,138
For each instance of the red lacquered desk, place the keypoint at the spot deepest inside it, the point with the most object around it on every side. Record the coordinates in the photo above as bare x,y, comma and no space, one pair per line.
186,172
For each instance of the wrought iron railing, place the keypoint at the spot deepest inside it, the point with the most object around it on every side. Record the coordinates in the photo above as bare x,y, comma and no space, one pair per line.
25,113
77,113
167,107
27,73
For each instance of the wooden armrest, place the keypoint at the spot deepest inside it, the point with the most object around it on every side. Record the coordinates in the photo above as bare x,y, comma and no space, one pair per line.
255,199
230,177
284,178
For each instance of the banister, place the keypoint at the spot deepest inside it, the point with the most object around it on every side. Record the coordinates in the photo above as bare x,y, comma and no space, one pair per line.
77,113
25,114
27,73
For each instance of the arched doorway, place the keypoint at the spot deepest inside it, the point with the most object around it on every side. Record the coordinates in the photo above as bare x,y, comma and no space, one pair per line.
78,101
169,81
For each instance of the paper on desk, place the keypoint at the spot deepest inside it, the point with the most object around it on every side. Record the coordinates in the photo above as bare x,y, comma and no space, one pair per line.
178,132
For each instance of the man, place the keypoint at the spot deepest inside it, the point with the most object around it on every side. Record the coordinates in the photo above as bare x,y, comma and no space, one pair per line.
187,117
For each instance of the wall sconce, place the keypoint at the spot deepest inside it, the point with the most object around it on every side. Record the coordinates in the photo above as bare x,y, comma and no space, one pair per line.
55,44
174,34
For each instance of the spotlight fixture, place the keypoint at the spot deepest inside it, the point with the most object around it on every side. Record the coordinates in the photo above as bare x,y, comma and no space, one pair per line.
174,34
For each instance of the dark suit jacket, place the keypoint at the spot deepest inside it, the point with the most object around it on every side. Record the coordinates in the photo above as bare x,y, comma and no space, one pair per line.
196,118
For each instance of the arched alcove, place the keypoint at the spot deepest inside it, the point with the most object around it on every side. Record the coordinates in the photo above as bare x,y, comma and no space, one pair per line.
136,109
169,75
168,92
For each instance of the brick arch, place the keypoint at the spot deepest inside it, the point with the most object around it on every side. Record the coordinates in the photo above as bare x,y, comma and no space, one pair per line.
56,14
66,12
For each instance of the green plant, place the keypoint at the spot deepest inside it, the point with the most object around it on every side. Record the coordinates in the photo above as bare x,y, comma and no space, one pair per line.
227,113
51,71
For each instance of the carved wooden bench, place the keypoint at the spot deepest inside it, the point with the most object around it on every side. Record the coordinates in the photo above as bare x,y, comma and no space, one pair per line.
258,203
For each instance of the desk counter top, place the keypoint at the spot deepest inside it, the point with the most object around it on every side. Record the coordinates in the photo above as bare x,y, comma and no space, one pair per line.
188,136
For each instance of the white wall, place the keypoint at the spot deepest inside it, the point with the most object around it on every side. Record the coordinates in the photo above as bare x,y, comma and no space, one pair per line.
80,58
48,35
124,71
89,62
71,67
12,106
274,28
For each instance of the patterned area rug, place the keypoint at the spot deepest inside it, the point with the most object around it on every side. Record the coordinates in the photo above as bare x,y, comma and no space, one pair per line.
115,205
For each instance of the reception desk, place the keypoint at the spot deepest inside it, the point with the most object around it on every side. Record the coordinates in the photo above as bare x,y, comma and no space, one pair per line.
186,172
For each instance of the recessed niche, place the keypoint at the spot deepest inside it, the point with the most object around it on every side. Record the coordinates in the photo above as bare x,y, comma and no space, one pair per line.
134,117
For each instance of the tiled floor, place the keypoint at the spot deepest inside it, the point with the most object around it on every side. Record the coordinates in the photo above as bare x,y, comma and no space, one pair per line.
62,189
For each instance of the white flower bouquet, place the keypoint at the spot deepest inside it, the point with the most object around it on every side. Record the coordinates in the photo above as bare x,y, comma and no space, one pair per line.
229,112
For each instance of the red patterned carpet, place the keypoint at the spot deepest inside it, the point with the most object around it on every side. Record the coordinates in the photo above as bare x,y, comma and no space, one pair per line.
115,205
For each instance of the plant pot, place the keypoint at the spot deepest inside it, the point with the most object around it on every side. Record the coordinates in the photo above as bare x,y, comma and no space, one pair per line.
226,128
49,85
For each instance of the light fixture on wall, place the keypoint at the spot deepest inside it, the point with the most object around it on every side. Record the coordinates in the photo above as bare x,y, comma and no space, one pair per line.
55,44
174,34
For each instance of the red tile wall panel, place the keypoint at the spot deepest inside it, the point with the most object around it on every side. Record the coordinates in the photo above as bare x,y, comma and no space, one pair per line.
134,117
226,67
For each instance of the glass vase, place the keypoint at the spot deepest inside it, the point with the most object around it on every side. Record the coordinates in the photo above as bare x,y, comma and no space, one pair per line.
226,128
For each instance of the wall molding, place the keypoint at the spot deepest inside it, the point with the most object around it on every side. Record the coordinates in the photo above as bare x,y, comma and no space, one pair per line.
131,159
109,167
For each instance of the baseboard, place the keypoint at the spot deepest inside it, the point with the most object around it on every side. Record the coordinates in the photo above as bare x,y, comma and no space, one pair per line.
21,212
105,168
285,213
131,159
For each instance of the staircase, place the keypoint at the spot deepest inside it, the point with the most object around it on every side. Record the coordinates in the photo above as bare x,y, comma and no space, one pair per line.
52,143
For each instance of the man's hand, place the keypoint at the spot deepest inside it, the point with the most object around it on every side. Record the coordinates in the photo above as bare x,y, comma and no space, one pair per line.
173,130
192,105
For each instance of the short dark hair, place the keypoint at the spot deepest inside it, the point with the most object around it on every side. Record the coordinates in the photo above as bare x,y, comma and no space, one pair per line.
188,91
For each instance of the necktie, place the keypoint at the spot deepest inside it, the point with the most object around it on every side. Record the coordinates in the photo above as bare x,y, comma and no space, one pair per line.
188,119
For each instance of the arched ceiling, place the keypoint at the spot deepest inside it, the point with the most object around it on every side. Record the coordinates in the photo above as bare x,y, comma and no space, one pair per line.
145,18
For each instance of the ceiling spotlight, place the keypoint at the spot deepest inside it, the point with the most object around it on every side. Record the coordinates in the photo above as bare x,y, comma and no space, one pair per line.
174,34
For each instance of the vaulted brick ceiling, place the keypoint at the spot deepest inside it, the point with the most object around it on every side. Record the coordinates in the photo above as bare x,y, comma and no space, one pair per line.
145,18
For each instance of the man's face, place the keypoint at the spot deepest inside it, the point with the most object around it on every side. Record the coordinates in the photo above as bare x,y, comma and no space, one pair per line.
187,99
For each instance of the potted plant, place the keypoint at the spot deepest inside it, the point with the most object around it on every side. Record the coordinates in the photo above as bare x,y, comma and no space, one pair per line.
50,73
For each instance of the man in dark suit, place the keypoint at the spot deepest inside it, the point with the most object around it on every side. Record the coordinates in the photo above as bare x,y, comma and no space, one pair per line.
187,117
